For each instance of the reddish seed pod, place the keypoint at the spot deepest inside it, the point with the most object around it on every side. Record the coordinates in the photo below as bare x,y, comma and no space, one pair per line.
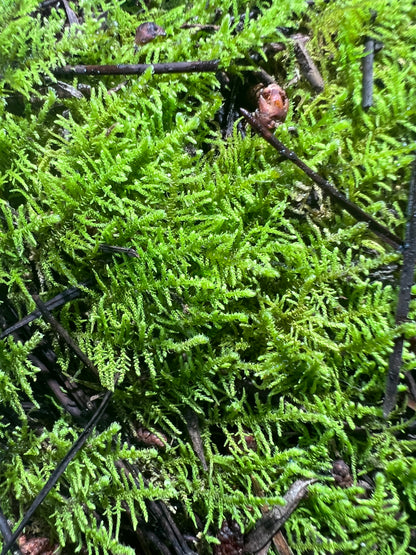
148,438
272,106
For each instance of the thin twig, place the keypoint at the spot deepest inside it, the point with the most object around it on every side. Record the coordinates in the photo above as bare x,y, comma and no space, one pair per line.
64,400
74,405
411,383
306,64
129,251
267,526
57,473
377,228
61,332
281,545
137,69
403,302
264,77
57,301
7,533
70,14
192,424
201,27
367,69
47,3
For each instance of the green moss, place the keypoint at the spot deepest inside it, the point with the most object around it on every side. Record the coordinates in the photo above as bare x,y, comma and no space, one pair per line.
262,316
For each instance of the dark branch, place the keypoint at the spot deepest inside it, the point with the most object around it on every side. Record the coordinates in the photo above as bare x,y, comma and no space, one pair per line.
269,524
57,301
57,473
61,332
307,65
7,533
137,69
377,228
160,513
406,282
192,424
129,251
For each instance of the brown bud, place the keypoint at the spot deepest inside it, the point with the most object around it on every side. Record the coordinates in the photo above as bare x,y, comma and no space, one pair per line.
146,32
272,106
148,438
342,474
231,539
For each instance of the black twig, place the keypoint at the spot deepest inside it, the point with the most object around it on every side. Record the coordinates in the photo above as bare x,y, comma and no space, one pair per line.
137,69
129,251
61,332
367,69
200,27
403,302
411,383
7,533
64,400
57,301
377,228
57,473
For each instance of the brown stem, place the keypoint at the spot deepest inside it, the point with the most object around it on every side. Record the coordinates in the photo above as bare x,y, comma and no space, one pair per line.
377,228
137,69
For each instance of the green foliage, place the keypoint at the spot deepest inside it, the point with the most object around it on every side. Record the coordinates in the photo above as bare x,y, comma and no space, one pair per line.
363,525
16,372
262,316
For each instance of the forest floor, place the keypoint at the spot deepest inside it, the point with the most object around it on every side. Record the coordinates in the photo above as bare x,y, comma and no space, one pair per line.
208,245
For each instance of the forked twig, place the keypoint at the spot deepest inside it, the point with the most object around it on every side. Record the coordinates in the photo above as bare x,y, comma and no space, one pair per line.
57,301
377,228
61,331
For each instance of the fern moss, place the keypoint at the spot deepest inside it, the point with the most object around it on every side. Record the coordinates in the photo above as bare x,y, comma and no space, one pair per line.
265,318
